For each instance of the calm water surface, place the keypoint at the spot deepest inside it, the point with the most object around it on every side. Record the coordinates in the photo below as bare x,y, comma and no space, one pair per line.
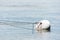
19,31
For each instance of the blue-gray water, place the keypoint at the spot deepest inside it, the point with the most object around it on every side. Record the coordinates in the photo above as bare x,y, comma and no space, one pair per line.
20,31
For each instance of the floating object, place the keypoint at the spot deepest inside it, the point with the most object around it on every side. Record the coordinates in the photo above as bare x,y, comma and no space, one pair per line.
43,25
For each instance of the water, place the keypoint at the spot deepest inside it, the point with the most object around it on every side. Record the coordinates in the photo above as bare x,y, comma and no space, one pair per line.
18,31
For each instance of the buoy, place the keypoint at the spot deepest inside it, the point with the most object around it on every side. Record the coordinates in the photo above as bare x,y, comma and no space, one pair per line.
43,25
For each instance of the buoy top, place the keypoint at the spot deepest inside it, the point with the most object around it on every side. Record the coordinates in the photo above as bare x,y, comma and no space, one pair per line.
45,23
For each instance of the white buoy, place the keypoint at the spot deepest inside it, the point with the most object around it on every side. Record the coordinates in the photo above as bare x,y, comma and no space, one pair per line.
43,25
